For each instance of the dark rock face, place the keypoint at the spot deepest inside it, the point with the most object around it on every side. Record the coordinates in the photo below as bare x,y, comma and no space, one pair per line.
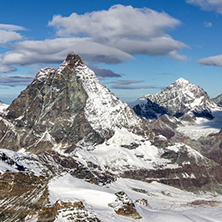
50,110
149,110
215,150
206,178
165,126
21,194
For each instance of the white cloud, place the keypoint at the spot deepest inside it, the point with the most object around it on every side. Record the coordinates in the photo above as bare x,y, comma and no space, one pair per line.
133,30
8,36
208,5
8,33
208,24
118,21
55,50
174,55
211,61
6,68
9,27
108,36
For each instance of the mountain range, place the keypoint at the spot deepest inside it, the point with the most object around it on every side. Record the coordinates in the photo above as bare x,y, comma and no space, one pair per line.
70,150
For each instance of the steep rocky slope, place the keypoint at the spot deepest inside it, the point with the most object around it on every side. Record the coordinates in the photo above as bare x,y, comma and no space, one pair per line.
62,107
177,99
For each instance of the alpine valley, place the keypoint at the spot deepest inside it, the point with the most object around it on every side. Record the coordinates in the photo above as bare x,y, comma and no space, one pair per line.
70,150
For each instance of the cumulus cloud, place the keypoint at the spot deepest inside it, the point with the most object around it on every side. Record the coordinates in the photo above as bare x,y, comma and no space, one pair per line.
132,30
15,80
208,5
132,84
211,61
107,36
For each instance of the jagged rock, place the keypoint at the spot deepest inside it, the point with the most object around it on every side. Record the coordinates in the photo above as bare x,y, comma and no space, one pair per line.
66,211
124,206
143,202
21,194
177,99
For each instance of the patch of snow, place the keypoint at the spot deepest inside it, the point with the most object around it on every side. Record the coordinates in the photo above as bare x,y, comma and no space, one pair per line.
3,107
29,161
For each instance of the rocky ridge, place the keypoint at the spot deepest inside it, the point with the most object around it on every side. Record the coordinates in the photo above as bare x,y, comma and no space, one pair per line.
218,100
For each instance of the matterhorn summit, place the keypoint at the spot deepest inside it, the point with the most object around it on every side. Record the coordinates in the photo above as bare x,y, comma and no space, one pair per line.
177,99
62,107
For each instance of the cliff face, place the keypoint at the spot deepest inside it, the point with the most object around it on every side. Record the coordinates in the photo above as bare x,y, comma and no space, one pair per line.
50,111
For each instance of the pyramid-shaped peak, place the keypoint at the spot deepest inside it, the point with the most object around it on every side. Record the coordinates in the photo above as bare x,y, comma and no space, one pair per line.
73,60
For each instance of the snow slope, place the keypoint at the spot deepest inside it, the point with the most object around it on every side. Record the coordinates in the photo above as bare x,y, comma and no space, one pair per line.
164,203
202,127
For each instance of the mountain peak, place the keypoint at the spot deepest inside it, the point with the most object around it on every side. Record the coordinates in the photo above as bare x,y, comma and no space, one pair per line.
177,99
73,59
181,81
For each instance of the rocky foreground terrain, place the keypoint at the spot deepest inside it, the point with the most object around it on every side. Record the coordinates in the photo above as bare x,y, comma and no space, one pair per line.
72,151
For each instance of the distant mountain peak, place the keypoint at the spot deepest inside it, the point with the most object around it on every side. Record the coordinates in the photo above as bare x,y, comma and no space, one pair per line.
177,99
181,81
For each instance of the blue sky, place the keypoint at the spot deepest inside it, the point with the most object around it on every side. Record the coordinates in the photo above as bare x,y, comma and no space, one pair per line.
135,47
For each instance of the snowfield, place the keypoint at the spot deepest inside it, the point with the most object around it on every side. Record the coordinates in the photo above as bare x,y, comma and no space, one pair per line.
203,127
164,202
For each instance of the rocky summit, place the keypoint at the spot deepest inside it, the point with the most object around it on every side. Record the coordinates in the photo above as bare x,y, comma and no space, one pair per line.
70,150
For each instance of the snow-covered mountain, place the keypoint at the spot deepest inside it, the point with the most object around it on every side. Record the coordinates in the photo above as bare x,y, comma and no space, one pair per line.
218,100
64,106
72,151
177,99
